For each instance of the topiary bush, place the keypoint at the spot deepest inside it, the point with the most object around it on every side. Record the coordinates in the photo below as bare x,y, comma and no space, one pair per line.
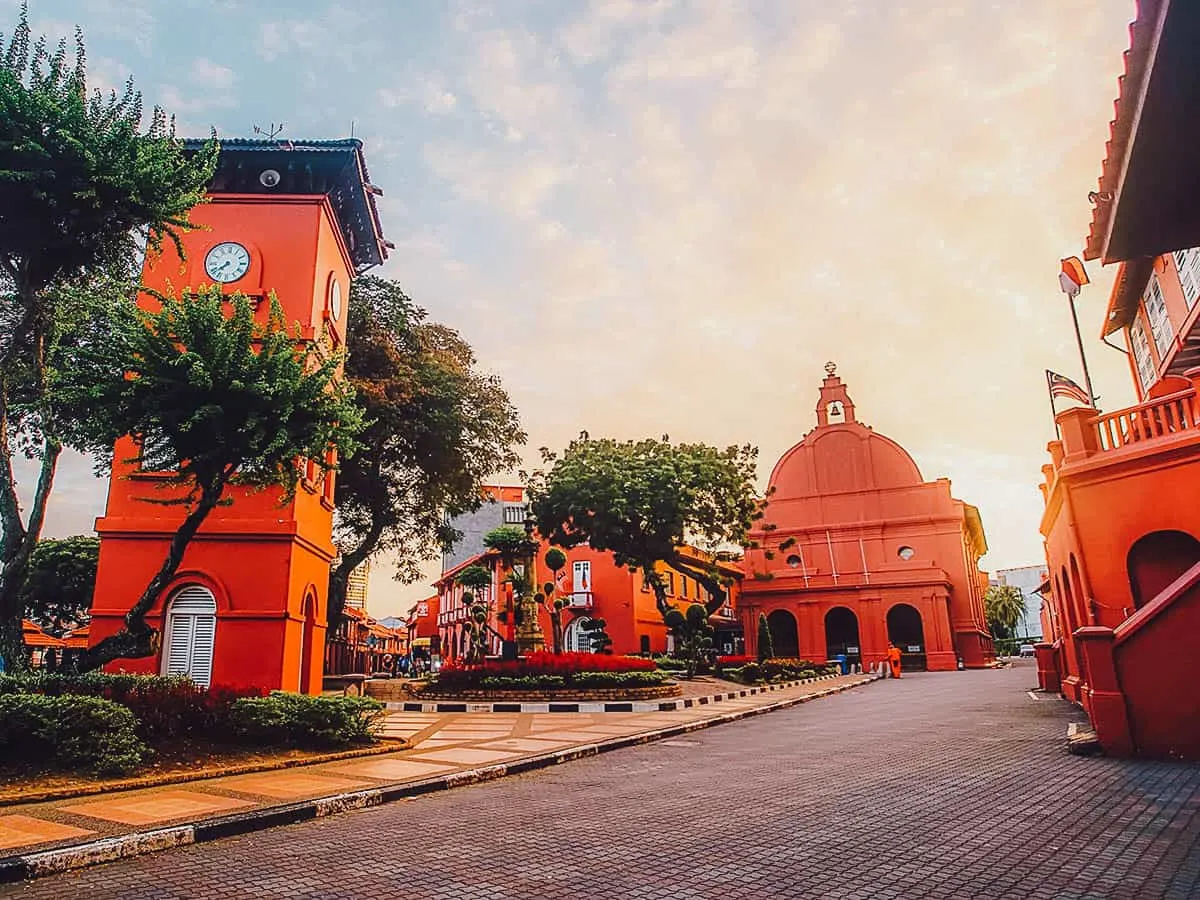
70,732
287,719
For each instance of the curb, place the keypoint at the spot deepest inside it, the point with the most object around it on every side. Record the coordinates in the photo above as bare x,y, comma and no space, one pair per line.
182,777
62,859
450,705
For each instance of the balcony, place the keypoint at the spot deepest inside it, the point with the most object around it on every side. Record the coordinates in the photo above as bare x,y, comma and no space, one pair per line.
453,616
1089,439
580,600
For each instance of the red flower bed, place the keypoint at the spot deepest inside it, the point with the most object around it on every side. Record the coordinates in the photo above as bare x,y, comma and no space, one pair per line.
546,663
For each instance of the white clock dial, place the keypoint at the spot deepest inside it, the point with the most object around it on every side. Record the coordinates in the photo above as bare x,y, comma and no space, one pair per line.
335,300
227,262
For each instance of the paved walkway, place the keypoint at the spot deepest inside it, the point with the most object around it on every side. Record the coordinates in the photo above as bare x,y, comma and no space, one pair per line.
442,744
953,785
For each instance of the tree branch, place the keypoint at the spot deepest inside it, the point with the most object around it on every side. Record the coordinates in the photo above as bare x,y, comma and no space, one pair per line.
135,639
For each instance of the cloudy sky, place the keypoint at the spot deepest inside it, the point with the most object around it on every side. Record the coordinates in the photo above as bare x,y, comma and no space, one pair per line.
658,216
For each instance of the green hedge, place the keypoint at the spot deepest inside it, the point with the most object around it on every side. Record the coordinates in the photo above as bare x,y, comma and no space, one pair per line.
69,732
578,680
298,720
166,707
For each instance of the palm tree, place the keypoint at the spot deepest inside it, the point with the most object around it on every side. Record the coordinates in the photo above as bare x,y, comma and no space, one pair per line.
1003,606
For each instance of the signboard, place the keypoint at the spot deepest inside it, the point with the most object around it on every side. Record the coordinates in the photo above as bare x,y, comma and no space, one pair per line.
914,648
851,649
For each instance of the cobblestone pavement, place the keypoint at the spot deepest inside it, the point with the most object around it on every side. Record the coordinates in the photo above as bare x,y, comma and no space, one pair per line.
441,744
952,785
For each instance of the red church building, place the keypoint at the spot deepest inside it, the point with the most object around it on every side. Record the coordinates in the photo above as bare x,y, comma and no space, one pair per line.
857,550
247,605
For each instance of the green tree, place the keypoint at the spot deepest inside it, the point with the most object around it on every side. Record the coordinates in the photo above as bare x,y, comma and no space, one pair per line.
555,559
476,579
83,188
437,429
217,398
57,593
597,634
766,644
642,501
1003,605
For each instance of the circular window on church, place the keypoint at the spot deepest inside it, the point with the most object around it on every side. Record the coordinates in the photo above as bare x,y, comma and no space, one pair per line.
793,561
906,553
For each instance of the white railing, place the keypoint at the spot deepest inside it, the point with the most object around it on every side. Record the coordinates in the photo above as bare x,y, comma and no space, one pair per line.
579,600
1166,416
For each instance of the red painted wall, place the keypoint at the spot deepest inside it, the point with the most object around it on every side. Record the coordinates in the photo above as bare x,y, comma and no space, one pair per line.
1155,663
260,558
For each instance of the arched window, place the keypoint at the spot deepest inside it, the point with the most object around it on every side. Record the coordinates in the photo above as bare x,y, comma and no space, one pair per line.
575,639
190,633
1158,559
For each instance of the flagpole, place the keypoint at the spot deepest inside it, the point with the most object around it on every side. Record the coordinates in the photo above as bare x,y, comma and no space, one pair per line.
1087,377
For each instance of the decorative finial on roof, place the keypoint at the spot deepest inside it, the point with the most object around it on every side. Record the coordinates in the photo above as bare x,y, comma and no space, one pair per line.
270,132
830,368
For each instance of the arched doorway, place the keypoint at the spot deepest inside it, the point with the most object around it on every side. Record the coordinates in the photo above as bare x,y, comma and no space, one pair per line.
575,639
1158,559
841,634
306,642
906,631
190,634
784,638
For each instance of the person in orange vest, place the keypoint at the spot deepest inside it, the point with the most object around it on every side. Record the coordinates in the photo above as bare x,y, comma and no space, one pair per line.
893,658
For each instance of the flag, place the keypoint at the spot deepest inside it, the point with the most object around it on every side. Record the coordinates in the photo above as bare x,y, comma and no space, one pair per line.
1062,386
1073,268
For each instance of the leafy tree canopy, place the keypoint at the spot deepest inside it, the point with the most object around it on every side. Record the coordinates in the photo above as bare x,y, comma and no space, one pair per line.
83,188
474,577
217,395
78,176
643,500
510,542
437,428
57,593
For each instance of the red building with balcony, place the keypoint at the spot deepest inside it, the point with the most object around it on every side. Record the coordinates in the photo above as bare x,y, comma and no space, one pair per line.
859,550
596,588
1122,518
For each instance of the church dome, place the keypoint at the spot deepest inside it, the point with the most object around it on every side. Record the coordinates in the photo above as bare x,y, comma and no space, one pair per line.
841,455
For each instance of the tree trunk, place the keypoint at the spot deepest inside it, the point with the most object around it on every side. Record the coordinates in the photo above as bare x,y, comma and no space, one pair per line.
137,639
339,577
17,542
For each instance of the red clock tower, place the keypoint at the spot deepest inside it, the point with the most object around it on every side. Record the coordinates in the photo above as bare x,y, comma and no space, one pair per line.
247,606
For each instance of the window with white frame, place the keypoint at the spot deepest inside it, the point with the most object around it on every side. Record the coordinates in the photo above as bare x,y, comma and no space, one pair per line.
1187,263
514,515
1156,313
1141,354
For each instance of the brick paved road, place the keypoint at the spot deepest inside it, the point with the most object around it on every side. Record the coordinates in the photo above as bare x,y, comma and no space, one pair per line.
941,786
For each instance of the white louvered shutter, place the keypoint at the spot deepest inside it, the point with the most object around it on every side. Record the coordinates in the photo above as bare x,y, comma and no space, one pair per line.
191,632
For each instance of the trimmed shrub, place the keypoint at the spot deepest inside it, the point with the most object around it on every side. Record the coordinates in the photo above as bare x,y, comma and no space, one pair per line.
166,708
287,719
70,732
479,679
671,663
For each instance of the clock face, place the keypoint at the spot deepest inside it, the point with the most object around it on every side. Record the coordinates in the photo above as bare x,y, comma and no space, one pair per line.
335,299
227,262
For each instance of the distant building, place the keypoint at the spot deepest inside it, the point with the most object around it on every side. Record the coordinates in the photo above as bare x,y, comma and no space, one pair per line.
503,505
356,587
595,588
861,551
1027,579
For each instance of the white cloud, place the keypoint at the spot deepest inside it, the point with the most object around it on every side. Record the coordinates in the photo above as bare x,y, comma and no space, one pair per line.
209,74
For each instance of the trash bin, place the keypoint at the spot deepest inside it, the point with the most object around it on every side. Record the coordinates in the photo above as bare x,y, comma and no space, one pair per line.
843,663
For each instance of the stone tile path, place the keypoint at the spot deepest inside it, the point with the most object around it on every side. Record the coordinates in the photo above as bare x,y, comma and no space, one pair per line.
441,744
952,786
